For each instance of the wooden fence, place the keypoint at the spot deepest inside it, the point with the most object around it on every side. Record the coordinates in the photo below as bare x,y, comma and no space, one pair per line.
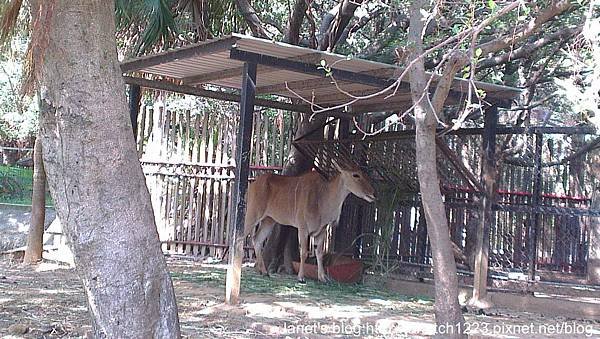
551,236
188,159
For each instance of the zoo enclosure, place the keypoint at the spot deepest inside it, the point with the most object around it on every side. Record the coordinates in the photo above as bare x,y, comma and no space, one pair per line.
188,160
539,227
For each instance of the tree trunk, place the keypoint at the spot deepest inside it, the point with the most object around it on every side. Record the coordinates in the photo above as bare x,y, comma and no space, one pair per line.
95,176
448,313
33,253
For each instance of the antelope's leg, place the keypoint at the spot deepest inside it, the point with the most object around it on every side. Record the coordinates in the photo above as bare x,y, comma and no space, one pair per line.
320,240
303,240
264,229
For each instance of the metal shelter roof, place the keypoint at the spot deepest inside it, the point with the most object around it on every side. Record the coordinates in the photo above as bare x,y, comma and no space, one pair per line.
286,71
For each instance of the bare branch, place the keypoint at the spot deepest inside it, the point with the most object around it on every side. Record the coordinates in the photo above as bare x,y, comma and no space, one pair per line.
527,49
554,9
454,64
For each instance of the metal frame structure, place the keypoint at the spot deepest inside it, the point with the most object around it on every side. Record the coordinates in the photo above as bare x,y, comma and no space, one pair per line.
227,69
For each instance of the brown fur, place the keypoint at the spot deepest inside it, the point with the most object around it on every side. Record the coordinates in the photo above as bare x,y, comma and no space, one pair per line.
307,202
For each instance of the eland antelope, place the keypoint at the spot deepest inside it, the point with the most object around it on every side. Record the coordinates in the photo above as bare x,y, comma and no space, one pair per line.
307,202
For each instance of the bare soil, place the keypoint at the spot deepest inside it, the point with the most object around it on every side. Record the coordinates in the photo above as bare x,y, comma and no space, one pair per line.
48,302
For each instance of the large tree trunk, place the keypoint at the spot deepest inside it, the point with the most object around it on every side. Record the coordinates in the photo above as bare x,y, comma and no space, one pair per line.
33,253
95,176
448,313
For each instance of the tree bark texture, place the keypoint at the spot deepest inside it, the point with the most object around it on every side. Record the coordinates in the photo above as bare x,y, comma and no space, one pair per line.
340,21
253,21
292,33
95,176
447,308
33,253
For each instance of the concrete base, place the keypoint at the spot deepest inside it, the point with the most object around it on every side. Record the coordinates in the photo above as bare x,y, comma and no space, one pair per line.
545,304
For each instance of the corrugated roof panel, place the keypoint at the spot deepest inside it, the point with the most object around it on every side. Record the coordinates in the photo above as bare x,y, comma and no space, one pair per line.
211,57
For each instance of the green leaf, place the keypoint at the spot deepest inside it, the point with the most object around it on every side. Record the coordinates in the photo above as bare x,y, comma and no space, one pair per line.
491,5
478,52
323,63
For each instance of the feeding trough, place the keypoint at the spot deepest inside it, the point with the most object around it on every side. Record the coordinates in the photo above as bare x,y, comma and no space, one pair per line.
338,267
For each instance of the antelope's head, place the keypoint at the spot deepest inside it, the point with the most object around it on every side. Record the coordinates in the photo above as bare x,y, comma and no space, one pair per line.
356,181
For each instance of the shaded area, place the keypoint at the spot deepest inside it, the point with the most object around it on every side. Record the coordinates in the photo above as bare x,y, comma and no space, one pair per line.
50,303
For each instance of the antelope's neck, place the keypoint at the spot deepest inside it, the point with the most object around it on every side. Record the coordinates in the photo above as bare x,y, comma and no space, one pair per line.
336,194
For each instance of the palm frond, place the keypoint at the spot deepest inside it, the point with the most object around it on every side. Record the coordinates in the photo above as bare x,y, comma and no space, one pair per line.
161,25
152,22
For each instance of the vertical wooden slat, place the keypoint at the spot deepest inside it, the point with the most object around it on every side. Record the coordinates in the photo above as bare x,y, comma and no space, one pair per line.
272,142
204,138
141,131
208,212
257,136
150,123
176,218
188,136
281,133
190,215
199,219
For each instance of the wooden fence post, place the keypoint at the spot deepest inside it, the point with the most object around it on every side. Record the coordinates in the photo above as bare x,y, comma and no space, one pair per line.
242,169
488,178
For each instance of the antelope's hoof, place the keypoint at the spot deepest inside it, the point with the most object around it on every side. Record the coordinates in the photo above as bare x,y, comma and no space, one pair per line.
302,281
325,279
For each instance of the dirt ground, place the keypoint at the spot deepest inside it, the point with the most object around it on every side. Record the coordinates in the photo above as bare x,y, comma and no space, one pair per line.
48,302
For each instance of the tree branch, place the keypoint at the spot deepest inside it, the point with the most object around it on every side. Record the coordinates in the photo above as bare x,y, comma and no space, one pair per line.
292,34
527,49
554,9
454,64
344,14
253,21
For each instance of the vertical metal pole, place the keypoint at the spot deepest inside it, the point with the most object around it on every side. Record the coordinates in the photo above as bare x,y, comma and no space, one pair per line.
242,169
135,96
535,203
488,180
